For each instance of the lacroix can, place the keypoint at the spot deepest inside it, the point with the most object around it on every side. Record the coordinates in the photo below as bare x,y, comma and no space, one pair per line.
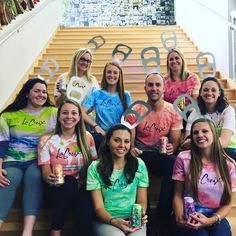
162,144
136,216
62,85
182,103
58,172
188,207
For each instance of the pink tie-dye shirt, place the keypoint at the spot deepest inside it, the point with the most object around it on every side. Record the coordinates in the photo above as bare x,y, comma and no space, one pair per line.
55,150
210,185
173,89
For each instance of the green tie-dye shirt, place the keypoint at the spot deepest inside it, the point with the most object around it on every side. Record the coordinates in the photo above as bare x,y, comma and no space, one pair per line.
23,131
120,196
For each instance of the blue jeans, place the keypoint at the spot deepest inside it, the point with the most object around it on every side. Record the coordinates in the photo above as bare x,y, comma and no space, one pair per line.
30,174
221,229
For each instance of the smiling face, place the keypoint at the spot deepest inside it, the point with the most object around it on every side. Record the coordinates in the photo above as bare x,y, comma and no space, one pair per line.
210,92
37,95
154,87
112,75
69,116
119,143
175,62
202,135
84,62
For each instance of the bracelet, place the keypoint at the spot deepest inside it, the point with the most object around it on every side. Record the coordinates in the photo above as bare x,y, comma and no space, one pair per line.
111,220
218,220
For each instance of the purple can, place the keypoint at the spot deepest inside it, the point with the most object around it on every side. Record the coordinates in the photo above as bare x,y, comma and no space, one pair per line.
188,207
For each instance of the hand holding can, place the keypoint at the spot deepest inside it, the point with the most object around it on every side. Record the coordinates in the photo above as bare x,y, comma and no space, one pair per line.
58,172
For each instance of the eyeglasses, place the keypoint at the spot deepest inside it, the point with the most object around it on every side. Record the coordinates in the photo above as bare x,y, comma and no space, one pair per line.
85,60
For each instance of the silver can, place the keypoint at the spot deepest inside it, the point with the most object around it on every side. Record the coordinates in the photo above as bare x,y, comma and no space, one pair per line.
62,85
188,207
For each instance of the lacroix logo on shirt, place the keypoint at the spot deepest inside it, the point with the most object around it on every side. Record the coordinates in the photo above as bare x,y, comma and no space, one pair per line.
153,127
31,122
65,154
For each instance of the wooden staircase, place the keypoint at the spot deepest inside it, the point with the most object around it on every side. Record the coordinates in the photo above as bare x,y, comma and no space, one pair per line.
62,47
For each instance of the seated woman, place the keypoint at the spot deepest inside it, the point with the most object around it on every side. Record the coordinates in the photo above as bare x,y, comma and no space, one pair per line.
81,67
208,175
109,102
22,123
72,147
117,180
214,106
178,80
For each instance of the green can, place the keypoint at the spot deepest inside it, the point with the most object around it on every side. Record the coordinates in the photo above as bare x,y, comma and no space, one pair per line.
136,216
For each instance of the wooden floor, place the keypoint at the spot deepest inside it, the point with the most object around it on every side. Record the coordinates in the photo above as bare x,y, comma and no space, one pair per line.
62,46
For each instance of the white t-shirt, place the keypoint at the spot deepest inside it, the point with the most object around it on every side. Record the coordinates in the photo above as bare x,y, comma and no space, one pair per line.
223,120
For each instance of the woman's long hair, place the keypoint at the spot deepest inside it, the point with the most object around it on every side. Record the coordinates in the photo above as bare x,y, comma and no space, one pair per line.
221,102
105,166
73,71
82,142
21,99
218,157
184,72
120,85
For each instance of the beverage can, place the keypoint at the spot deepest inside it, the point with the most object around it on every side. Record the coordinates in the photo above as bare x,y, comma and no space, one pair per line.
136,216
62,85
58,172
162,144
182,103
188,207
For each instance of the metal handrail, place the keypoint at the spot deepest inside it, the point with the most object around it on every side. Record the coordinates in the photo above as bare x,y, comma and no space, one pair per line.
27,17
230,24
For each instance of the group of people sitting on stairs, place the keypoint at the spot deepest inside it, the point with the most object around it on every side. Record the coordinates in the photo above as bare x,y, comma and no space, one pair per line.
106,169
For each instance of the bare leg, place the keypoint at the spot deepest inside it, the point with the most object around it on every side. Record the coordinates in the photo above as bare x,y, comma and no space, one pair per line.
29,222
55,232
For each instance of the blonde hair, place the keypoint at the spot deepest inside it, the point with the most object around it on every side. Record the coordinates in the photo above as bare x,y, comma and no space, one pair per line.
73,71
184,73
120,85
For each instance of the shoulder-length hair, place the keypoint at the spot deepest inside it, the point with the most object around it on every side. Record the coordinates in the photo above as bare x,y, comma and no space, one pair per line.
218,157
21,99
73,71
221,102
105,166
184,72
80,132
120,85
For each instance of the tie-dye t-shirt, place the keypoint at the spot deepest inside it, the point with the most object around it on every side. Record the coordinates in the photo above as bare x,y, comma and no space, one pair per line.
120,196
173,89
23,130
223,120
54,150
155,125
210,185
108,107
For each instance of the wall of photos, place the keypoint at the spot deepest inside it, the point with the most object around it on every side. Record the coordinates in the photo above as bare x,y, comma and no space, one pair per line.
78,13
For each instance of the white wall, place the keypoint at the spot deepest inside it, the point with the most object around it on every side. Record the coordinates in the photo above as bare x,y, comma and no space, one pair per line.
21,48
206,28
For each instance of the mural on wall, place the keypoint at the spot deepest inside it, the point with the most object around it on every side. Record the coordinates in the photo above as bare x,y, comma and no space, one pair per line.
117,12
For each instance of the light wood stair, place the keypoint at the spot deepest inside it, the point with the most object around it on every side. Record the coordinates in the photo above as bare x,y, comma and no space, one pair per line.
68,40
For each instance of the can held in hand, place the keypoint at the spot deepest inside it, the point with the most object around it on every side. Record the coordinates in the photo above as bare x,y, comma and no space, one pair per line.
136,216
58,172
182,103
188,207
62,85
162,144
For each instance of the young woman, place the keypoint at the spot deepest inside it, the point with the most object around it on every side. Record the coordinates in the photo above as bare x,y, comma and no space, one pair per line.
109,102
208,175
117,180
81,67
72,147
214,106
21,124
178,80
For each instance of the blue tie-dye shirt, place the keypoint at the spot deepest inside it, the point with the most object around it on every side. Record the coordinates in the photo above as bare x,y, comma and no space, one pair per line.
108,107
